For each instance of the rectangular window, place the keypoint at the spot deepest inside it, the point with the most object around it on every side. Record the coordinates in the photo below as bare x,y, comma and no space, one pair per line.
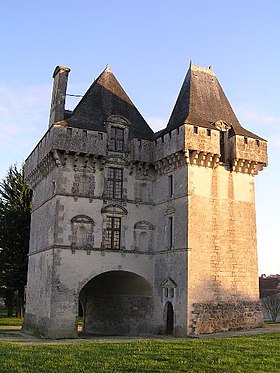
170,232
116,141
257,142
245,140
170,185
115,183
113,233
208,132
195,129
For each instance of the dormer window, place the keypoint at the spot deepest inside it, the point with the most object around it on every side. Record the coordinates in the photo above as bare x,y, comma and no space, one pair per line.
116,141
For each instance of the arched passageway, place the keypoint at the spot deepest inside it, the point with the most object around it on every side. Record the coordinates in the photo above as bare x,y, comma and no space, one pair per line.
117,303
169,318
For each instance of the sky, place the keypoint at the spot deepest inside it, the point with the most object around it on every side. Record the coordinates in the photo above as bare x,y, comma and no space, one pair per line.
148,45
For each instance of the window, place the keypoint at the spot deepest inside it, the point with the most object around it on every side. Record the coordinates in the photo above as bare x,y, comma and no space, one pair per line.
195,129
116,139
258,142
113,233
69,131
208,132
100,136
170,232
245,140
84,133
170,185
115,183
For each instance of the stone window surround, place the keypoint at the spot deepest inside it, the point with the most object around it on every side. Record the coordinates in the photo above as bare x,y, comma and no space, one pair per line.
117,121
114,183
113,233
113,211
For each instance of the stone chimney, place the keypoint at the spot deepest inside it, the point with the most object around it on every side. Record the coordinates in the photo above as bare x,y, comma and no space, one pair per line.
60,77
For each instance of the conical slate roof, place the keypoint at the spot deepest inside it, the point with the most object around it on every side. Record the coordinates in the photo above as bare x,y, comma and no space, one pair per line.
202,102
104,98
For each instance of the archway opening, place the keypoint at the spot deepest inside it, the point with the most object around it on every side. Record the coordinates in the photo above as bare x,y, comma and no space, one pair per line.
169,318
117,303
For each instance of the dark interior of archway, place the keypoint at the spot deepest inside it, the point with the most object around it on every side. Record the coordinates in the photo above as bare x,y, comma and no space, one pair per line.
169,318
117,303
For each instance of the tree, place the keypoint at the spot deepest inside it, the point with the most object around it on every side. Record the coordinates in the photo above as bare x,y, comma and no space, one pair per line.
15,210
272,305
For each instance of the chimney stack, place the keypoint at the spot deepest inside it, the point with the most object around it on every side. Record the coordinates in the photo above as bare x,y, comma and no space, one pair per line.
60,77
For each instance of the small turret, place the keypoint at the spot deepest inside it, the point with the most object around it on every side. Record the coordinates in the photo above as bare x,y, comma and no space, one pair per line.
60,77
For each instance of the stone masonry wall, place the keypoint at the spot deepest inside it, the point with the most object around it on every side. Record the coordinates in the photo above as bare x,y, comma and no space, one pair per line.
217,317
222,258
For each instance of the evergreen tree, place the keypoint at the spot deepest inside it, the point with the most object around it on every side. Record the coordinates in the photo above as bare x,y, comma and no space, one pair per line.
15,209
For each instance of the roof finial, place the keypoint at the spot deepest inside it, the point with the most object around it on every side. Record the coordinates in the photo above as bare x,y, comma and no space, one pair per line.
107,68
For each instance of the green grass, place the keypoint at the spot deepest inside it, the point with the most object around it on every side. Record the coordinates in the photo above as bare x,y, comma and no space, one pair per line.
10,321
237,354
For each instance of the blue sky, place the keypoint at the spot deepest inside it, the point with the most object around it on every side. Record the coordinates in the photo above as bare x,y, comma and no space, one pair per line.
148,45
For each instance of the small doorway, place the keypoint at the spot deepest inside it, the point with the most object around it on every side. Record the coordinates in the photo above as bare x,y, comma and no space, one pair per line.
169,315
81,318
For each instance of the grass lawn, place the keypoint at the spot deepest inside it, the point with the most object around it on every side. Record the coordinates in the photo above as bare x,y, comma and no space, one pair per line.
8,321
237,354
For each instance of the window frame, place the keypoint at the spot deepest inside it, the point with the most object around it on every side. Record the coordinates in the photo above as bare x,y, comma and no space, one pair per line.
170,186
116,140
113,233
170,232
115,183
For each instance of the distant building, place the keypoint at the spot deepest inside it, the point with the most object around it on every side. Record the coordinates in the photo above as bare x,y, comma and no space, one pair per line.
269,288
269,285
149,232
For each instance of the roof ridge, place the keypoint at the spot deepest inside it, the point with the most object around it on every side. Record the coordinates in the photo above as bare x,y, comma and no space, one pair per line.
208,70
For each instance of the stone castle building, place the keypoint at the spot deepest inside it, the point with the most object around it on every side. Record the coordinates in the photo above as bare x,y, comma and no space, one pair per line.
149,232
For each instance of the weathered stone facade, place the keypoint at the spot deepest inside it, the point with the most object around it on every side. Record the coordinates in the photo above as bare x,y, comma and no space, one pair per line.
151,233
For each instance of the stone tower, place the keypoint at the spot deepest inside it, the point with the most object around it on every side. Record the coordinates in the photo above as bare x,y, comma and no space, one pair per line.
148,233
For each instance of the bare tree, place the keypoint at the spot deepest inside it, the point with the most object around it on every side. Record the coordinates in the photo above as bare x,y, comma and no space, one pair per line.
272,305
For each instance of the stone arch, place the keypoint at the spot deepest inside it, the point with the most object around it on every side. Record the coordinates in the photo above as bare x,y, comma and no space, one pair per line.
114,209
118,119
117,303
144,225
144,236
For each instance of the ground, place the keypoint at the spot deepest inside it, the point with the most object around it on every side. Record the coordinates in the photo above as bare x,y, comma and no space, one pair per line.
245,351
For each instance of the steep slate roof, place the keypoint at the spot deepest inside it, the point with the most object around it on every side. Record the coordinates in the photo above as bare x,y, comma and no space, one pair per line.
104,98
202,102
